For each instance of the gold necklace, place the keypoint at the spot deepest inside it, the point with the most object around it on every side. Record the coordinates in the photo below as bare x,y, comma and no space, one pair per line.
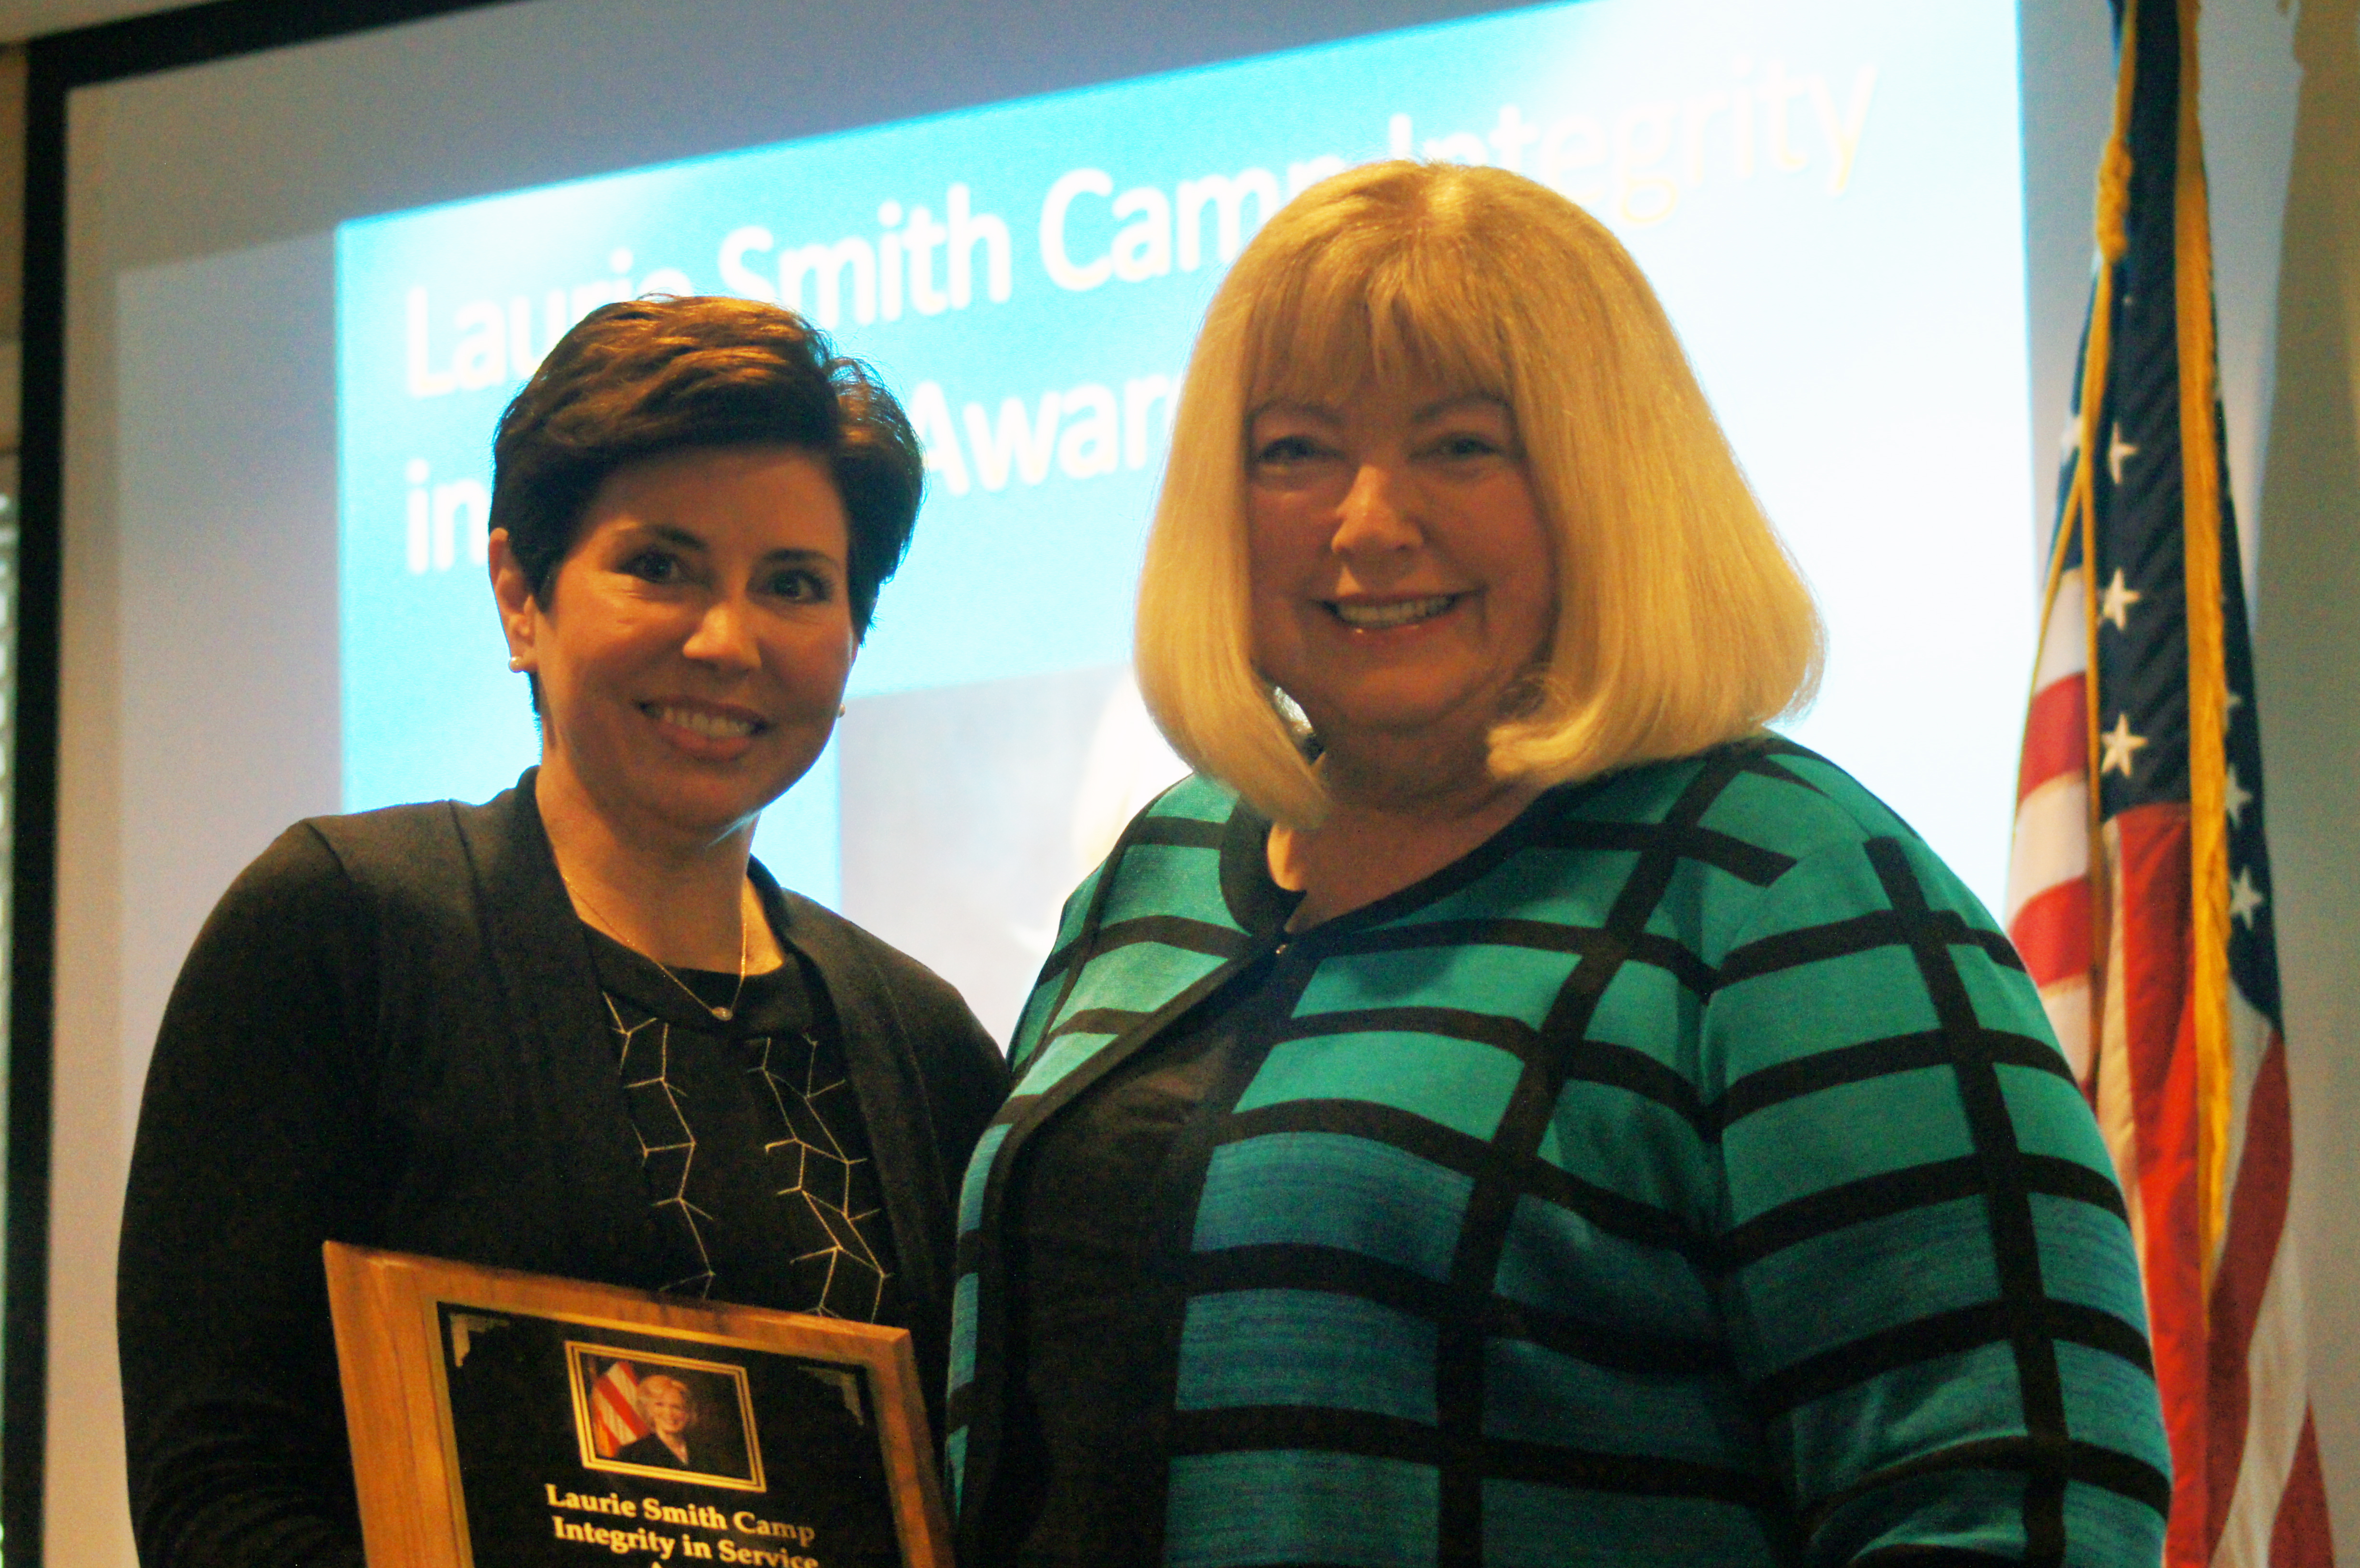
721,1015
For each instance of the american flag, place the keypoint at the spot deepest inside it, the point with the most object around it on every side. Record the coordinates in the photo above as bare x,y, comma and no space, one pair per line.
2143,910
614,1422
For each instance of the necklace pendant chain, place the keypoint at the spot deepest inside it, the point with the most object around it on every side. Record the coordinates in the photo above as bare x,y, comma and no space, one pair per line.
723,1014
720,1014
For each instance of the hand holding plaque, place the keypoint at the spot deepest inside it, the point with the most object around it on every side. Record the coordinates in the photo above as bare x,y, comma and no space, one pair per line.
511,1420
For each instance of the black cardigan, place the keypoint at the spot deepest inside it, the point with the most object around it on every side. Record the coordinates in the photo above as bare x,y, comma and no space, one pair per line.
388,1033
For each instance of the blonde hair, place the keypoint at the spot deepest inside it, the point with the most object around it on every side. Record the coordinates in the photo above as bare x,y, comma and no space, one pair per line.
1681,622
654,1380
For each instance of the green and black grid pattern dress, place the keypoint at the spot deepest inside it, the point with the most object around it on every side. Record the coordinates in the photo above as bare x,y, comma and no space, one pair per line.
1687,1174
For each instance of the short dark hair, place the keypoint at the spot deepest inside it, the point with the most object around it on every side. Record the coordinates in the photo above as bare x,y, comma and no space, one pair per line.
648,376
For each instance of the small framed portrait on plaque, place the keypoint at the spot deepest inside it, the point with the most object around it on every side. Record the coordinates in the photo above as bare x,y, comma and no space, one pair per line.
640,1413
511,1420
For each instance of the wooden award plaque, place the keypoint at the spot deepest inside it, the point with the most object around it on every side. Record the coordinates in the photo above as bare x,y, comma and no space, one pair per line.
502,1419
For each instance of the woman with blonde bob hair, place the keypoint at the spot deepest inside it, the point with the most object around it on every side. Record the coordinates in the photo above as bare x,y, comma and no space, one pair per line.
1680,622
1509,1106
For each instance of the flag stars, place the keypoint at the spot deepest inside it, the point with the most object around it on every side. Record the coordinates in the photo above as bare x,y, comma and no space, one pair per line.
2238,799
2117,451
2245,897
2233,701
2115,601
2069,439
2117,746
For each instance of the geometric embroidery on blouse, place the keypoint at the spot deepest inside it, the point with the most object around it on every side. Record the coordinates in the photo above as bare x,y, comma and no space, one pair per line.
646,1052
811,1165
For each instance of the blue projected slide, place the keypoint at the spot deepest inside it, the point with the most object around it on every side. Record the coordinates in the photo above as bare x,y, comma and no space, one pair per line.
1826,193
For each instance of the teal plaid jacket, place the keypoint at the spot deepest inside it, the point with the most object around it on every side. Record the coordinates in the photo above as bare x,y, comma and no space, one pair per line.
1689,1174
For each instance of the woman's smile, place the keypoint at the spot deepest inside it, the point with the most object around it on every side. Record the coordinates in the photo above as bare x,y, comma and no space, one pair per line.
710,729
1391,614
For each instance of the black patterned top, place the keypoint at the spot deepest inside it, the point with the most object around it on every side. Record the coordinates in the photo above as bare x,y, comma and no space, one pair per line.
756,1162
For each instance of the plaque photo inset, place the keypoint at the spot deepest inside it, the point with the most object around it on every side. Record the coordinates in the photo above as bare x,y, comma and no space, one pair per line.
512,1420
641,1414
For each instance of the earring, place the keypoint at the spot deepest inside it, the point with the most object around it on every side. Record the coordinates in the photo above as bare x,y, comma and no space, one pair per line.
839,709
516,661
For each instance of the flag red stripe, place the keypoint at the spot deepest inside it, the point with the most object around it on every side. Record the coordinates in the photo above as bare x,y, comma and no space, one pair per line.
616,1423
2258,1215
2299,1538
2161,1046
2056,733
2053,932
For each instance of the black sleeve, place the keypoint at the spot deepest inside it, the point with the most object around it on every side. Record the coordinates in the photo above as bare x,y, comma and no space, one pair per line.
256,1144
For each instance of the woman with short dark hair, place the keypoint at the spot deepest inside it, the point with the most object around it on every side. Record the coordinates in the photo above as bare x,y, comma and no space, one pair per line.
654,375
576,1031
